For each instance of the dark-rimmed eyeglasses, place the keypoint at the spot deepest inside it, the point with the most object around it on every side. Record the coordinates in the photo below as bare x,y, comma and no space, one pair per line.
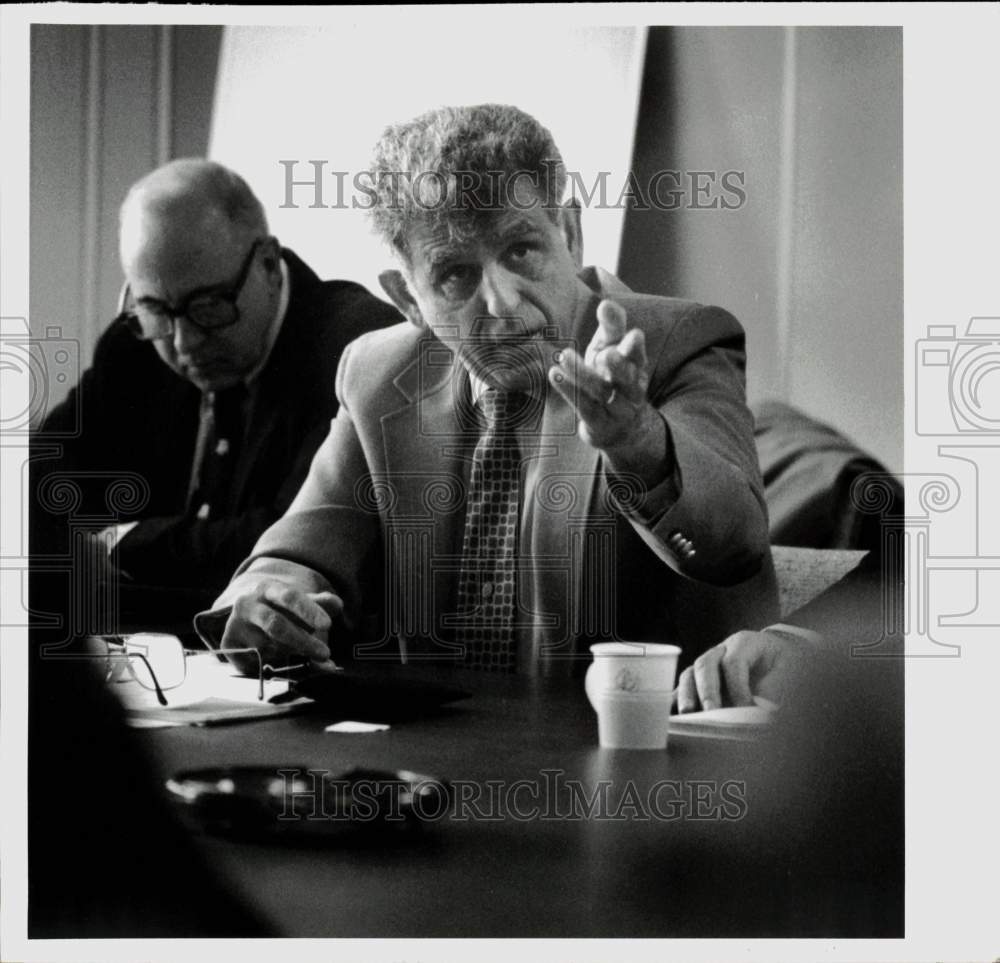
159,662
208,309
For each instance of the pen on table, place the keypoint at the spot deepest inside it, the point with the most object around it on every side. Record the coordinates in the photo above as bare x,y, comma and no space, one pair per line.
235,719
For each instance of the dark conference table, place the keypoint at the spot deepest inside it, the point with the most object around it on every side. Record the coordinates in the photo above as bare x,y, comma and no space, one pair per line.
792,835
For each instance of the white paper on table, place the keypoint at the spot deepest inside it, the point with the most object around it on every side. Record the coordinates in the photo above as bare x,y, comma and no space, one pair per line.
349,725
733,722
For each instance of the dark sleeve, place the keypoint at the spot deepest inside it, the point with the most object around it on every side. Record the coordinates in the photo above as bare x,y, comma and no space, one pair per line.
181,550
70,463
93,458
62,423
66,441
713,496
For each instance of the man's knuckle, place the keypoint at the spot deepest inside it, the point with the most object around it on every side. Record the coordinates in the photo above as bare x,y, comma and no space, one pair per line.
269,621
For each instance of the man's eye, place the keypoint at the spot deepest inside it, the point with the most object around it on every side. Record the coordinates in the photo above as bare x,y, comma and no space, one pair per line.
208,303
206,307
456,277
520,250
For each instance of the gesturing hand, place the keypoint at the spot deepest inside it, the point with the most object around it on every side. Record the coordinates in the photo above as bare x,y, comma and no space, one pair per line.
607,388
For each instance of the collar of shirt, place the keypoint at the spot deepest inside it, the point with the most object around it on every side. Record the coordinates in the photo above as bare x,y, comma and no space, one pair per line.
529,430
275,329
478,387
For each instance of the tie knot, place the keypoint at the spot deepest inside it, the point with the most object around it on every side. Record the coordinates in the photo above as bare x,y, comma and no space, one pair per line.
228,414
508,410
495,406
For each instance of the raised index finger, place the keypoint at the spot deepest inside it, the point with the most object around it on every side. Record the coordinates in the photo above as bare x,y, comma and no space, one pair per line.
612,321
611,326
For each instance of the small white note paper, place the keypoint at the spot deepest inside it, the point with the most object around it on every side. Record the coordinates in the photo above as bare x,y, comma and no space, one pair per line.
735,722
350,726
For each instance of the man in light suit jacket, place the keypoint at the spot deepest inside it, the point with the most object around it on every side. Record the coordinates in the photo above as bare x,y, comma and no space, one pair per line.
641,514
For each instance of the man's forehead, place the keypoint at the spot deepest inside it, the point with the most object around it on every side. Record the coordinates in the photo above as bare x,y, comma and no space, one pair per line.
182,258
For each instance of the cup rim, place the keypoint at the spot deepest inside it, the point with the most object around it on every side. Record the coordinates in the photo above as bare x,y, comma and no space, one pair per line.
636,695
635,649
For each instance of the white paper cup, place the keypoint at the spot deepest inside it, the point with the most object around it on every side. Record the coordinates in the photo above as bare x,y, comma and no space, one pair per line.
629,685
632,667
629,721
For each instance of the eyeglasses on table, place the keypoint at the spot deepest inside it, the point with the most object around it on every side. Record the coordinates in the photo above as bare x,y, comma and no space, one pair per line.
159,663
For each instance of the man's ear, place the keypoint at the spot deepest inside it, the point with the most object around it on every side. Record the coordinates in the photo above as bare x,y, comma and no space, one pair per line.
572,230
394,284
270,255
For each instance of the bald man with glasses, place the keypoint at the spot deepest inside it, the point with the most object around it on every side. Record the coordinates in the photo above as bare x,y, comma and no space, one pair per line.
210,392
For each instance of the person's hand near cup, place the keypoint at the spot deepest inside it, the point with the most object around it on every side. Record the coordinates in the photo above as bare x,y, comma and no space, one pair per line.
744,669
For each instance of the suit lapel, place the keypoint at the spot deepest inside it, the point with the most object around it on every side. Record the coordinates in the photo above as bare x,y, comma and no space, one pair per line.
428,449
556,522
558,498
268,403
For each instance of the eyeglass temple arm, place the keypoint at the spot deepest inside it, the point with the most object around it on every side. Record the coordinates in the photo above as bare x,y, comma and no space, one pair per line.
123,297
225,652
128,656
264,670
161,698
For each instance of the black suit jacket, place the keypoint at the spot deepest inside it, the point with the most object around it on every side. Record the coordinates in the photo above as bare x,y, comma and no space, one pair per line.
120,447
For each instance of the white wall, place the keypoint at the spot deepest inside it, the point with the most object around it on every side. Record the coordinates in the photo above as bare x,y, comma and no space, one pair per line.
108,104
326,94
812,263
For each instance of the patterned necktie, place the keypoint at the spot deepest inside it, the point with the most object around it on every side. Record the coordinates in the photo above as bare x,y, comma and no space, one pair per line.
489,546
220,437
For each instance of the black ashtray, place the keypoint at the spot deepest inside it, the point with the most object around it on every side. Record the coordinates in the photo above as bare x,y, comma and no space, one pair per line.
273,801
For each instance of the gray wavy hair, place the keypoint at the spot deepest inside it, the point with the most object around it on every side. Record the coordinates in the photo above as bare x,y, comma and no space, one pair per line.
456,166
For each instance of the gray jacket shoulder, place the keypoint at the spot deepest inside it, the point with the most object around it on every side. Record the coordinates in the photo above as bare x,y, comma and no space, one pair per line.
662,318
372,364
